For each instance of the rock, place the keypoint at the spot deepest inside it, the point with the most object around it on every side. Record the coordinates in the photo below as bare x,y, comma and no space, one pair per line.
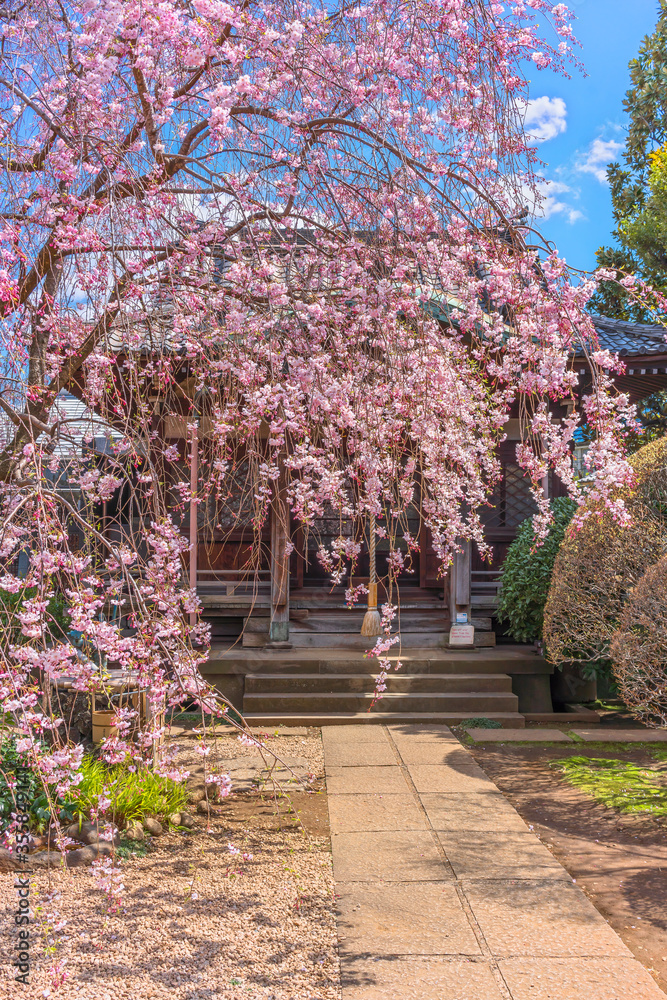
95,837
47,859
134,831
196,795
81,832
203,807
86,855
187,821
175,819
152,826
9,861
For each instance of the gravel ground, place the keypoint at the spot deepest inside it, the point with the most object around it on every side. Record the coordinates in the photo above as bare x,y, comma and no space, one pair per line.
199,922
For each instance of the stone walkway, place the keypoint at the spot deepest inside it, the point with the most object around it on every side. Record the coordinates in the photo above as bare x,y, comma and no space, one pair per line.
443,891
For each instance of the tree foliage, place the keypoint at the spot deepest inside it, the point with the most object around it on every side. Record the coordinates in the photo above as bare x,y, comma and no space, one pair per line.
527,573
639,183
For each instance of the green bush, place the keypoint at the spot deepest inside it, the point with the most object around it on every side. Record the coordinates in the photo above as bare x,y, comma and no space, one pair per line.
526,574
40,802
57,616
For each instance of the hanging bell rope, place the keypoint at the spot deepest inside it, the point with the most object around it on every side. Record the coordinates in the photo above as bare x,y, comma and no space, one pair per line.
372,623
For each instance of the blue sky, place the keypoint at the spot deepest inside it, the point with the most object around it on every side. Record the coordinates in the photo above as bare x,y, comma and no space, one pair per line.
583,125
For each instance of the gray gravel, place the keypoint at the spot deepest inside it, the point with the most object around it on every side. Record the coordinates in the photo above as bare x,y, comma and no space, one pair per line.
198,922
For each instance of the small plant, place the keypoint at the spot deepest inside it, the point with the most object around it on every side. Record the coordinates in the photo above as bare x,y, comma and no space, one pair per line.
131,849
526,575
41,803
481,723
134,791
617,784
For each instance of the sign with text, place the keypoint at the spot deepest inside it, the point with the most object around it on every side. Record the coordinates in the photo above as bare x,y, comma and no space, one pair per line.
462,635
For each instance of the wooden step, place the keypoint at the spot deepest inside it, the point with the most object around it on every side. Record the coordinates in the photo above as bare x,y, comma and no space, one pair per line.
431,640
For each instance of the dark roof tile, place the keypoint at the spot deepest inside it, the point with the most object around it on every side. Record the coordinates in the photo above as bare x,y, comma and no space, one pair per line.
625,338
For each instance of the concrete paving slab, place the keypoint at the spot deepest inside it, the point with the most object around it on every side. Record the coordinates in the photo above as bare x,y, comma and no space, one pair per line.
486,812
513,855
574,979
518,736
391,857
414,919
353,734
604,735
422,733
465,780
542,938
359,754
540,918
430,752
374,812
418,979
356,780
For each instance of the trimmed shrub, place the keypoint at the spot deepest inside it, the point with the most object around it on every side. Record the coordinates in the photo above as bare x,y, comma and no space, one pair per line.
527,574
639,647
598,565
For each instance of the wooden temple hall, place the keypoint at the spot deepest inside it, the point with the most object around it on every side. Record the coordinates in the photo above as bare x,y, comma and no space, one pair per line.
286,649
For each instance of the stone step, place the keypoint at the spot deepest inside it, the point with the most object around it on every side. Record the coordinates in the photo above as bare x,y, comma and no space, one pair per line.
508,720
501,660
398,683
477,703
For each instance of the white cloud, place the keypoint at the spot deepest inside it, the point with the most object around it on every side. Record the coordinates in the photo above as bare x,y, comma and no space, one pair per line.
550,201
545,118
596,158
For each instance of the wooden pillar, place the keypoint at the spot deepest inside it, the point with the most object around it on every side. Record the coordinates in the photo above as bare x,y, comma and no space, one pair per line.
280,563
459,589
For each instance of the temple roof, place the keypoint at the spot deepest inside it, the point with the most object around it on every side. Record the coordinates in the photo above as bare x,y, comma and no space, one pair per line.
625,338
643,348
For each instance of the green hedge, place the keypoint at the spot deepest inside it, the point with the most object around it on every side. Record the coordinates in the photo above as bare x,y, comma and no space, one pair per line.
527,572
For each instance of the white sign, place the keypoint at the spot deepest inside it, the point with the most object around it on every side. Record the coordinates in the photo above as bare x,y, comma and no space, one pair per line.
461,617
462,635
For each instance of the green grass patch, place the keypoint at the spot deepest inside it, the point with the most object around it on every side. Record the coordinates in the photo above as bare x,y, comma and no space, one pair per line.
134,794
617,784
195,718
481,723
128,849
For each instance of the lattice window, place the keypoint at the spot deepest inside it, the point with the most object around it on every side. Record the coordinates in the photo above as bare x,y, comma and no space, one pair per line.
511,501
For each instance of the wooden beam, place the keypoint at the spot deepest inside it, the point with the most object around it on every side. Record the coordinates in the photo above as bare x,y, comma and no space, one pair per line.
280,563
194,476
460,581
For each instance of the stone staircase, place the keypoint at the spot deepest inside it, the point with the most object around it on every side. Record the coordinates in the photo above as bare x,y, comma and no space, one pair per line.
320,686
342,690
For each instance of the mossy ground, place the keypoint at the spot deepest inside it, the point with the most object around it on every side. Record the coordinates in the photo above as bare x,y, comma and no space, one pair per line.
619,784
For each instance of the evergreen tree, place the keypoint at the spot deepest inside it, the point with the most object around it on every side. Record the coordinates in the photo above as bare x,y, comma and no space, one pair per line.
639,185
